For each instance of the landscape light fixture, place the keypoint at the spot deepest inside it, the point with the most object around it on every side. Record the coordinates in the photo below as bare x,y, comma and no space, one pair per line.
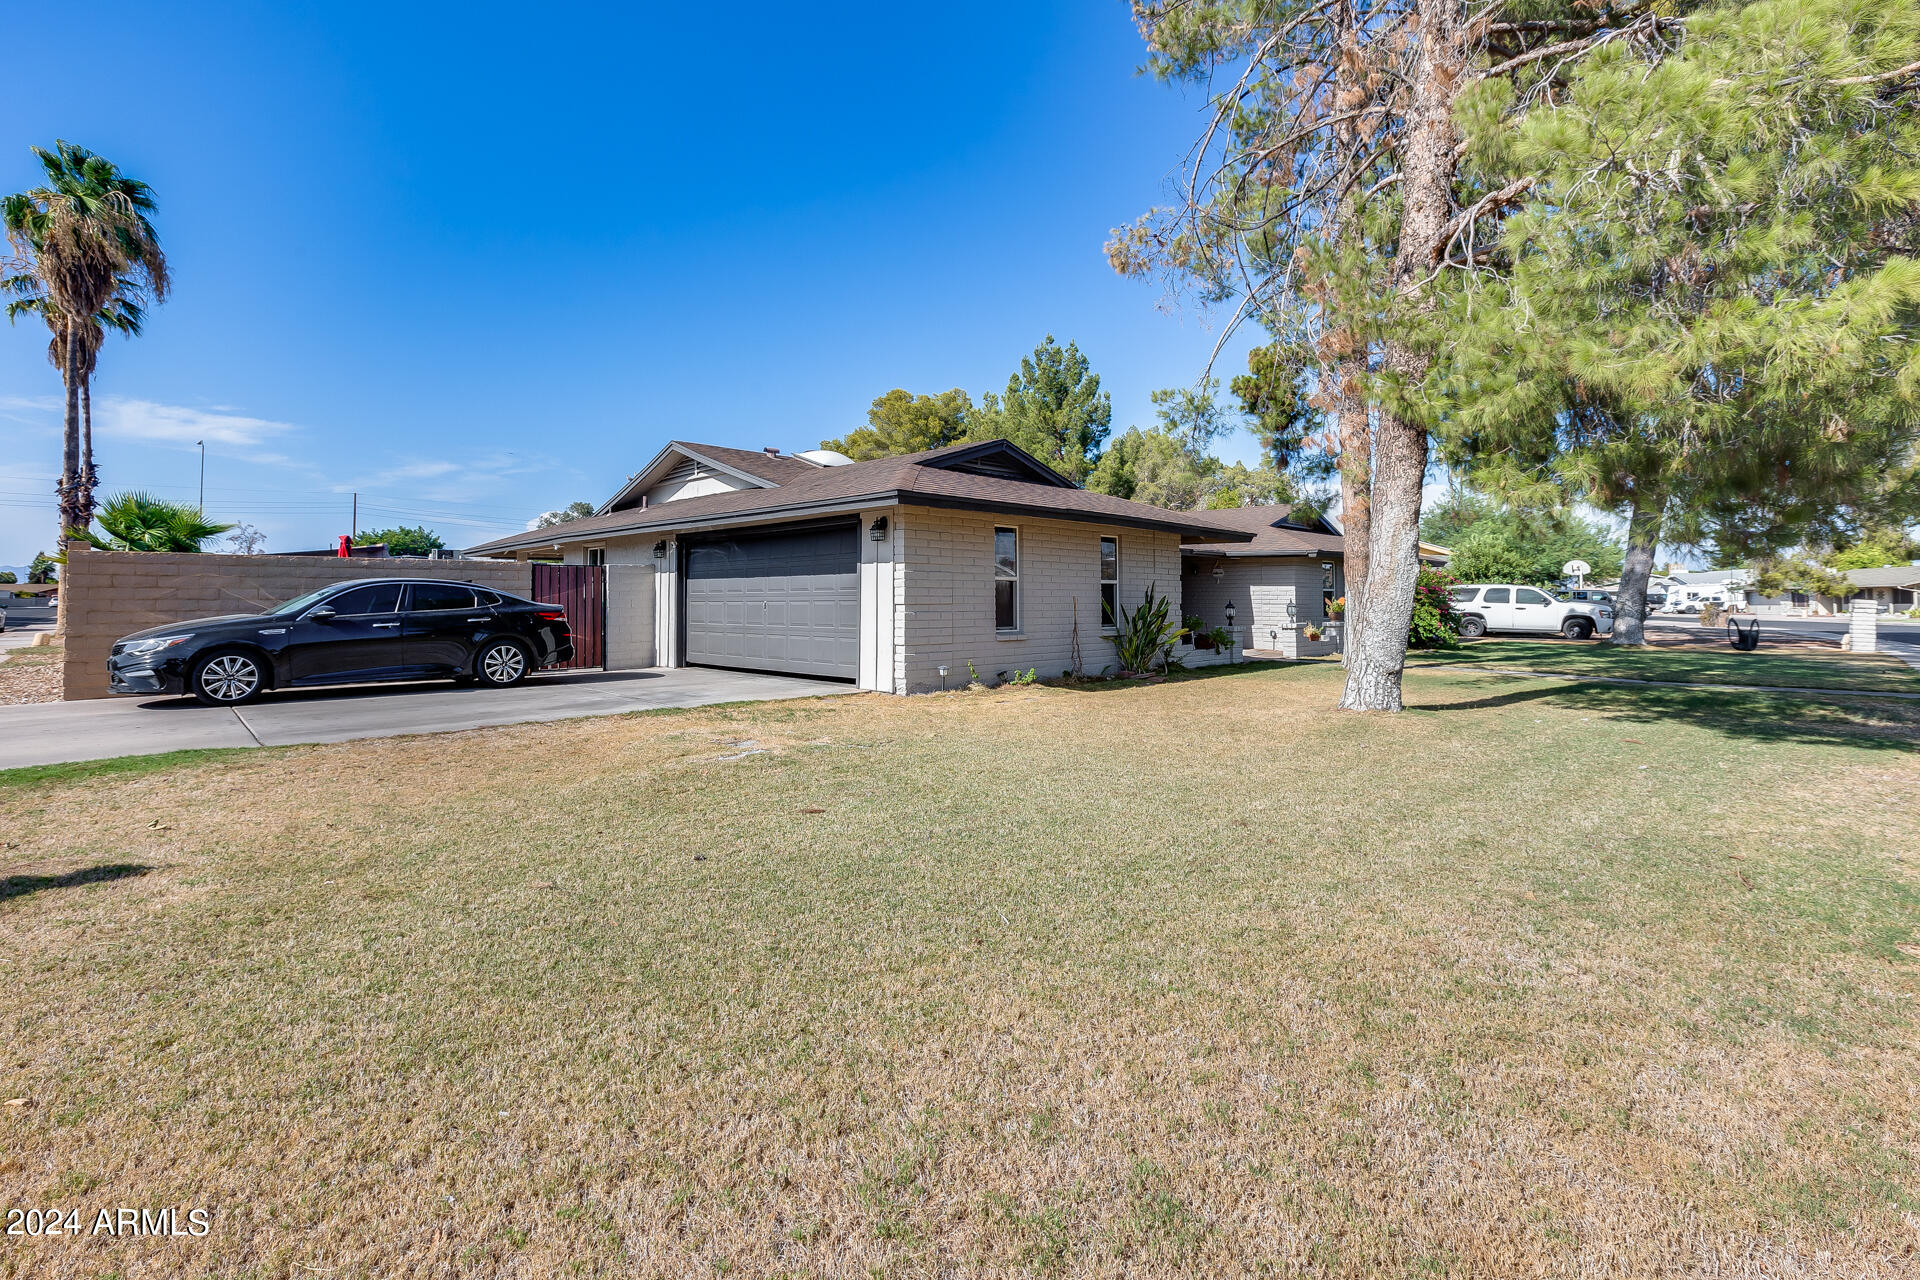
943,677
879,531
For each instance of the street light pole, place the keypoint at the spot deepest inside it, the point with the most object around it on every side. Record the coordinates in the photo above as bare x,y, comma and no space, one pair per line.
203,475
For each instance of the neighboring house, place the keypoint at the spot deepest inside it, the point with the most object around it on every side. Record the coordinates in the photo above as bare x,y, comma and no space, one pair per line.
1279,582
882,572
1892,587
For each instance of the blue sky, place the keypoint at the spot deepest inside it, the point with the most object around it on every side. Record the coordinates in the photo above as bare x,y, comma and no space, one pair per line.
476,265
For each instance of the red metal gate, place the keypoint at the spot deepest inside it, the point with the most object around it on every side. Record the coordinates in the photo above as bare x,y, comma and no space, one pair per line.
580,589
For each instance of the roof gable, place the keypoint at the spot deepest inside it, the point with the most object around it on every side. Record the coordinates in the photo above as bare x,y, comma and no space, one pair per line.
750,470
998,459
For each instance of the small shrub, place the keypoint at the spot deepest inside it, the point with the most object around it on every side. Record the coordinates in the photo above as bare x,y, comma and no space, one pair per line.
1145,635
1435,623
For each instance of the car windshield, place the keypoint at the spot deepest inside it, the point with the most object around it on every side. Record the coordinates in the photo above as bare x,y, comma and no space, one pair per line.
307,601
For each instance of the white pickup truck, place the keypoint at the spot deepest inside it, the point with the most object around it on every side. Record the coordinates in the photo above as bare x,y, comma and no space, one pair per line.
1508,606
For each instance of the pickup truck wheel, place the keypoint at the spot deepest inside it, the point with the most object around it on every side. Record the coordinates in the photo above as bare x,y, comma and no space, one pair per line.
1473,628
1576,628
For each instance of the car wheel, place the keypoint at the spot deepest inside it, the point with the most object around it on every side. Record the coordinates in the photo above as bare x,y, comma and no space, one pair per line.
1473,628
228,679
1576,628
500,664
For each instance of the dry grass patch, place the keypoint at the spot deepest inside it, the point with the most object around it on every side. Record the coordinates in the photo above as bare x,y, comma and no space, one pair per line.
1191,979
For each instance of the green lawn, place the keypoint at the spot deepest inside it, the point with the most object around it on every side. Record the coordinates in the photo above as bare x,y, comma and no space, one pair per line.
1188,979
1873,673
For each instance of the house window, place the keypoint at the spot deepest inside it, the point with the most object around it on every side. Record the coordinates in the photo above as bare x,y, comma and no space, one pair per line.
1902,595
1006,580
596,555
1109,583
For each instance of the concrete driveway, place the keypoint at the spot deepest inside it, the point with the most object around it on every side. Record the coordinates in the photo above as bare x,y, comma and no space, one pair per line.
58,732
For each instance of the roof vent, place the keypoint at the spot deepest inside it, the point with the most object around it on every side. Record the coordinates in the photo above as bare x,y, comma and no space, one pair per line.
770,449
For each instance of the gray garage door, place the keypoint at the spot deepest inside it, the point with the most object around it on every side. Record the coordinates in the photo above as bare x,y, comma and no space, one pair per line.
776,602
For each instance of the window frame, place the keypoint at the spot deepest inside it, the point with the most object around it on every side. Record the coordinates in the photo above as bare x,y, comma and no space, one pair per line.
1014,627
1109,609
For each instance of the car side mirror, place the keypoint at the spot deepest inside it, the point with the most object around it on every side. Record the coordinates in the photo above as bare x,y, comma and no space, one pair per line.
322,614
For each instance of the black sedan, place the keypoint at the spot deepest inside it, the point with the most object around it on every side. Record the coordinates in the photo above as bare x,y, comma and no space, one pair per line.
367,630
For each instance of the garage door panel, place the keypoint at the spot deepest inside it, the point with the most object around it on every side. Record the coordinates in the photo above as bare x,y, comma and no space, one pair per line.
786,602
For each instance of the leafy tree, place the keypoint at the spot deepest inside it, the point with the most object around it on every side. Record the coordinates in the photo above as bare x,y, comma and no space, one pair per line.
901,422
403,540
87,241
1880,547
9,576
43,569
1053,408
142,522
1530,547
1273,396
565,515
1780,575
1697,312
1444,522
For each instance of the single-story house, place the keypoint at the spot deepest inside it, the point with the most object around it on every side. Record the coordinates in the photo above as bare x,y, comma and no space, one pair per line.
1892,587
1281,580
901,574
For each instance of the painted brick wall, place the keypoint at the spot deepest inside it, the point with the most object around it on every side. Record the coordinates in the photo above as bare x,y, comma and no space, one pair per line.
947,610
1261,590
112,593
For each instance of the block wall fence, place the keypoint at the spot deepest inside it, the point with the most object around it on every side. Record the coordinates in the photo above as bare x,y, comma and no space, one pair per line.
111,593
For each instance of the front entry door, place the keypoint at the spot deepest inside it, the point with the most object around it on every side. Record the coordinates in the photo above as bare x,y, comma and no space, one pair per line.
360,640
443,622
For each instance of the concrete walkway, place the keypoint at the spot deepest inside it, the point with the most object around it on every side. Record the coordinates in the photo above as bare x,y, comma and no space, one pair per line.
95,729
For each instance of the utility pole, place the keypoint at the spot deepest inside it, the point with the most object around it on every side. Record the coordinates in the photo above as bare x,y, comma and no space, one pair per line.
356,515
203,475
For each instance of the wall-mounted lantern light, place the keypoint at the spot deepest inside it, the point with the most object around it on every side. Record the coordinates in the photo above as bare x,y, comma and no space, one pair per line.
1219,571
879,530
660,549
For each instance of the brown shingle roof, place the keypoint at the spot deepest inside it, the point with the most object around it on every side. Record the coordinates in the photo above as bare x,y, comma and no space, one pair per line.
1268,538
776,467
883,481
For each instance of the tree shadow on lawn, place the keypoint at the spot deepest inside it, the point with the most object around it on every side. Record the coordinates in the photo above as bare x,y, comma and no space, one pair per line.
1758,717
20,886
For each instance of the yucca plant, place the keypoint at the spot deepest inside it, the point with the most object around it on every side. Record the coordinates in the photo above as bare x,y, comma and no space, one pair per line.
1145,635
142,522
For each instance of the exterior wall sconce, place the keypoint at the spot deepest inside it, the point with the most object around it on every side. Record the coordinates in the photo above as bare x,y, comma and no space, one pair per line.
879,530
660,549
1219,571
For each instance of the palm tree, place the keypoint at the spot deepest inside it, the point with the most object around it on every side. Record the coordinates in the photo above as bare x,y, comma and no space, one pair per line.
123,314
86,240
142,522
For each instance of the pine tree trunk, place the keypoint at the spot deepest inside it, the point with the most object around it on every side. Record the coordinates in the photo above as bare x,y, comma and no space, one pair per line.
1375,662
1356,492
1374,665
1630,603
